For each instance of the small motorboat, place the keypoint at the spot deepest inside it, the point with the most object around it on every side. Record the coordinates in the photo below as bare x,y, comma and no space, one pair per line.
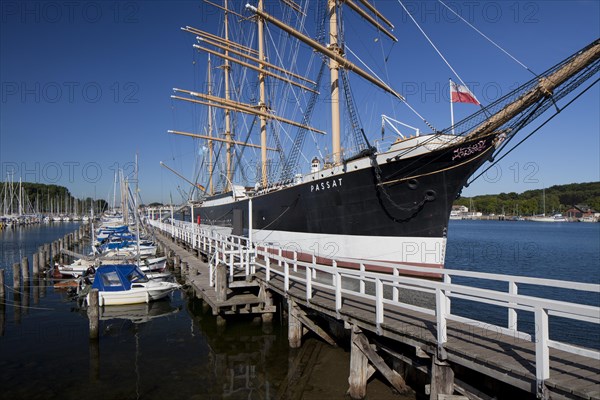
87,266
127,284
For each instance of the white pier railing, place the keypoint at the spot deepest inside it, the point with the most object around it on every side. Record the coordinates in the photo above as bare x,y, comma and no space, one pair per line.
241,255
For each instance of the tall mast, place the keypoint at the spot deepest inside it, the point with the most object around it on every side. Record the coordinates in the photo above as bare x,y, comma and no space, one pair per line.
262,102
20,197
114,202
334,75
226,69
210,130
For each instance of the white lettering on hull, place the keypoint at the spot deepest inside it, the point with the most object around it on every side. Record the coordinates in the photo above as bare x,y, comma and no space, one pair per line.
326,185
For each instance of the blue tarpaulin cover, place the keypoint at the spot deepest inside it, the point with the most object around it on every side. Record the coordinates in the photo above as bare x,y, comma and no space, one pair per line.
115,278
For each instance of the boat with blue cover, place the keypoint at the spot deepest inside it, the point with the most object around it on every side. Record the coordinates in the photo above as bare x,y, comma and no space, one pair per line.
127,284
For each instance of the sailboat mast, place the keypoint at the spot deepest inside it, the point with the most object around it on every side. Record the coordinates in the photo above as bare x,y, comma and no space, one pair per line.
210,132
226,70
334,76
262,101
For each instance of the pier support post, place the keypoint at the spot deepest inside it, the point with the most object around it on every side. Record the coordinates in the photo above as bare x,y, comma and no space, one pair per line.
221,282
267,318
442,376
17,276
184,268
59,248
36,264
93,312
41,261
47,254
25,269
359,368
294,325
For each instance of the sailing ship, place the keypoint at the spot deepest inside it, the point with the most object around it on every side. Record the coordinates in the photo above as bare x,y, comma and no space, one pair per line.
391,204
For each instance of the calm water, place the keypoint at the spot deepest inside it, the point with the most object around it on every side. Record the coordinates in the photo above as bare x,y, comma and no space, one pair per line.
174,349
561,251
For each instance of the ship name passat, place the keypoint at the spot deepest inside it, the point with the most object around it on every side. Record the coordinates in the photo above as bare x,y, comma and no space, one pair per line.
329,184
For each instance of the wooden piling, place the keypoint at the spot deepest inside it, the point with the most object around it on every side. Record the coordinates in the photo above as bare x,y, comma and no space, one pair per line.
267,318
221,282
221,323
47,253
36,264
41,260
17,276
294,326
359,368
442,378
93,312
25,269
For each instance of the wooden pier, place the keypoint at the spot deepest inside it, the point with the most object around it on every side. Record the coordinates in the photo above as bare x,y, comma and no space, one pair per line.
388,334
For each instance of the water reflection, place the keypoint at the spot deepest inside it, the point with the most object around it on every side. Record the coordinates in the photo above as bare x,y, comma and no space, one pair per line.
246,356
138,313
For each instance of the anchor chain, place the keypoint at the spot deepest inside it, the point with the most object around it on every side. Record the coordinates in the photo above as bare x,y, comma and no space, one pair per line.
416,207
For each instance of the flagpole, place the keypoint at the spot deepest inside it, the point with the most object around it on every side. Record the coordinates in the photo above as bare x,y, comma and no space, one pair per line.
451,108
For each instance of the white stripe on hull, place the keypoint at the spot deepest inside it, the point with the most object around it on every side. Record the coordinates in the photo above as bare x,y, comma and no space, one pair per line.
410,250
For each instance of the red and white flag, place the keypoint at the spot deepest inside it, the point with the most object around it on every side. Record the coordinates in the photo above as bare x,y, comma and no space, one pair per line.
461,94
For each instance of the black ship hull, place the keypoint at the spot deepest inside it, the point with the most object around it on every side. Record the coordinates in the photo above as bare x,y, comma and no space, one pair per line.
385,208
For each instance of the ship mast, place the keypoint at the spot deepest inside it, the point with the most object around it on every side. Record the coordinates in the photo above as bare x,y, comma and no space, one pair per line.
334,76
336,58
262,100
226,70
210,131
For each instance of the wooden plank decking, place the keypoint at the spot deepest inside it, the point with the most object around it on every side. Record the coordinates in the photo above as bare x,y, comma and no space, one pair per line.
500,356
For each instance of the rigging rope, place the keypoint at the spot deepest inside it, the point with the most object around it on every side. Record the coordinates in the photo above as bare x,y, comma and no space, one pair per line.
533,132
401,99
487,38
432,44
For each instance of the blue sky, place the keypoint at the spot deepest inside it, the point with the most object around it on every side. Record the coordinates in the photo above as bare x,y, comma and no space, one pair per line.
86,86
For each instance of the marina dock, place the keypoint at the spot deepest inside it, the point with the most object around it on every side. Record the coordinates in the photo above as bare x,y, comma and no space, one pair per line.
388,334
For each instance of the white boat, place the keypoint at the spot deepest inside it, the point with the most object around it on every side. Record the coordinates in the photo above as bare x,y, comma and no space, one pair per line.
552,218
127,284
455,215
145,251
80,266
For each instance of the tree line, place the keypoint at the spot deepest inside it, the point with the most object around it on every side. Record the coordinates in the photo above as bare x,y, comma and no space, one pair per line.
43,198
558,198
